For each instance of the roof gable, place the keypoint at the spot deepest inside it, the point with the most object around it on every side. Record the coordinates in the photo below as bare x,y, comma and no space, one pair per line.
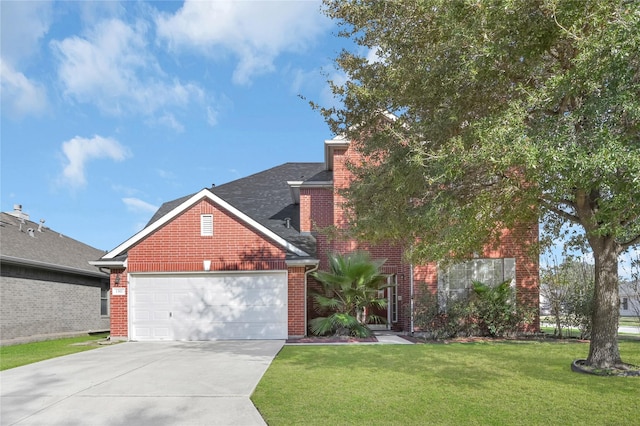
184,204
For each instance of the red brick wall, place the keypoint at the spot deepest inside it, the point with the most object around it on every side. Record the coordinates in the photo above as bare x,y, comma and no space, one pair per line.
514,244
296,304
118,305
178,247
332,207
316,208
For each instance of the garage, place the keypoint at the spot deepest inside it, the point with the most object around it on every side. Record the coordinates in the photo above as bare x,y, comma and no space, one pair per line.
208,306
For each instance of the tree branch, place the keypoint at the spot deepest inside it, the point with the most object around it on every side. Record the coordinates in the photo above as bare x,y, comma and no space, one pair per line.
635,240
566,215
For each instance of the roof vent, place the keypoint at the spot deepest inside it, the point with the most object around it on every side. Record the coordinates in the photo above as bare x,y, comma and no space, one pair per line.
17,212
40,226
287,222
31,232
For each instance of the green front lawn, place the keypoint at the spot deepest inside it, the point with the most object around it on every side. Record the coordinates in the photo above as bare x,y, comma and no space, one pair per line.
459,383
17,355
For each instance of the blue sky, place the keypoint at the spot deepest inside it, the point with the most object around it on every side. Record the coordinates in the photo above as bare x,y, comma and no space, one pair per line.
111,108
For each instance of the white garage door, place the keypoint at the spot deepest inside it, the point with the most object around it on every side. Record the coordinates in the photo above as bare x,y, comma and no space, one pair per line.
208,306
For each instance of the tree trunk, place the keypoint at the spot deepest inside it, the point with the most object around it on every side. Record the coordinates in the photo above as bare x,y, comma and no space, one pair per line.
558,322
603,350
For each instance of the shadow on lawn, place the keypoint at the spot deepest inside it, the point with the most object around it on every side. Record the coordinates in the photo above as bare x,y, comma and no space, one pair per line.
478,364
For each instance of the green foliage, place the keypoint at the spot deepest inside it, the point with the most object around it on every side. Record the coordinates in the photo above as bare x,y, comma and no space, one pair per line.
569,290
340,324
430,318
507,112
495,311
488,311
350,289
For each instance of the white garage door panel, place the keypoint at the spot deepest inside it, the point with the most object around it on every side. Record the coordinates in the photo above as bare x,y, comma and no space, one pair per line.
208,307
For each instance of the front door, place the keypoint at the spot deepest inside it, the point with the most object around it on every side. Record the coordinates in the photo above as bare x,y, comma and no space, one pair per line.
390,313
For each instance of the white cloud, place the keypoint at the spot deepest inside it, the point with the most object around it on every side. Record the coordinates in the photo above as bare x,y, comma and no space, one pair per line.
170,121
137,205
78,151
212,116
112,67
373,55
22,25
255,32
20,95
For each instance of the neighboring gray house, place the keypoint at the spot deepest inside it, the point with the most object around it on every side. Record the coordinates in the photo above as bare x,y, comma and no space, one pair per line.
47,286
630,299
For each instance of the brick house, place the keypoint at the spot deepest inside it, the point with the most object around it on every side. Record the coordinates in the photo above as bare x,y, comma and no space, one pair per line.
48,288
233,261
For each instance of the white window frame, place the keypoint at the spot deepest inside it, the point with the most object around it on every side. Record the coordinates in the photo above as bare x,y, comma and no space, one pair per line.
392,281
206,225
498,271
104,298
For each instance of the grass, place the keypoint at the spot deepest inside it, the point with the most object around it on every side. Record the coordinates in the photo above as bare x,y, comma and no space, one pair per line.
622,321
629,322
549,328
480,383
28,353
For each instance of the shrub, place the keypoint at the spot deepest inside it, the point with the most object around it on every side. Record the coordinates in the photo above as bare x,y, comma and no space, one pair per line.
350,289
495,310
486,311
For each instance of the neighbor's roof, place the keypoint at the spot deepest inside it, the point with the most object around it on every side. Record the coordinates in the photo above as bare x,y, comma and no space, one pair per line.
264,197
46,249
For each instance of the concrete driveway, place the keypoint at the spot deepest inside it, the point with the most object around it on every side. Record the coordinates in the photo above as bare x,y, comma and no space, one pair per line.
136,383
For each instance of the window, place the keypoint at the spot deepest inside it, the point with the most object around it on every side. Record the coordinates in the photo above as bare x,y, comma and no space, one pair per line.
625,304
104,300
456,281
393,298
206,225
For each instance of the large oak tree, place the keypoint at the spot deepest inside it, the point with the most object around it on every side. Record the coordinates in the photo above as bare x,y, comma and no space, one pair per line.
507,111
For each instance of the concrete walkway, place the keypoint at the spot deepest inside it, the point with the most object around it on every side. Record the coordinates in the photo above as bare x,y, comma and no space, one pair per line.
136,383
384,338
391,339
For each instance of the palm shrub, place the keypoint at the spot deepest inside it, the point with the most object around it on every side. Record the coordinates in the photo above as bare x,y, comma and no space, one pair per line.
350,290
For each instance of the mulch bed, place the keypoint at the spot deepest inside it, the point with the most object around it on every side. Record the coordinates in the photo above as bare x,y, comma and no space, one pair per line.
580,366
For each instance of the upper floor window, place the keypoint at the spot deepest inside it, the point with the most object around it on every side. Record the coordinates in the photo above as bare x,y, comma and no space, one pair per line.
206,225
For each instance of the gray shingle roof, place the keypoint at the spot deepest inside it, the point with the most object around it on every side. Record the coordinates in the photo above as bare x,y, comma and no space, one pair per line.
266,198
47,248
